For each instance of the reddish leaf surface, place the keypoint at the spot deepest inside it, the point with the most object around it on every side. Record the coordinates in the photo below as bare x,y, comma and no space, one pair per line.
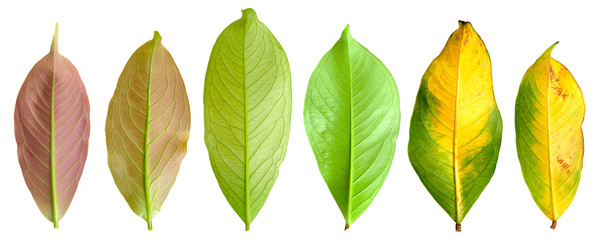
52,128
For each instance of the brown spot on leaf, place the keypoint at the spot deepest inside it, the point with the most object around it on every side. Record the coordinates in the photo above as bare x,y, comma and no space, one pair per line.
554,83
558,90
564,165
551,72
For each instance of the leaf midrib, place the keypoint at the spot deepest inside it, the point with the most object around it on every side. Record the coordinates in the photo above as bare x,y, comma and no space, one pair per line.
548,132
146,140
455,169
246,160
350,172
52,135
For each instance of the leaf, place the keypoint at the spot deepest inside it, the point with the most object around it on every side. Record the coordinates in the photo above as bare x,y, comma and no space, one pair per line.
456,129
352,119
247,107
52,128
548,117
147,128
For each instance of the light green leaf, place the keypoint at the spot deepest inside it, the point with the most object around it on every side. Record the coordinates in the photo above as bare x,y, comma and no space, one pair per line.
352,118
247,107
147,128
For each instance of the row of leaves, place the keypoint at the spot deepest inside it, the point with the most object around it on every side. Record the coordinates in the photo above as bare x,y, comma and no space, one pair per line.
351,117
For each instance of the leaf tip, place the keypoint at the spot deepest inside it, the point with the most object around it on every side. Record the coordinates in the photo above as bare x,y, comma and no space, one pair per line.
465,25
549,50
157,37
346,29
553,226
346,33
54,45
248,13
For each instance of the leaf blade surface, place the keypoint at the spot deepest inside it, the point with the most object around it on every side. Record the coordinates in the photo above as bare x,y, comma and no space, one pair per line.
549,112
456,128
247,99
147,128
352,117
52,128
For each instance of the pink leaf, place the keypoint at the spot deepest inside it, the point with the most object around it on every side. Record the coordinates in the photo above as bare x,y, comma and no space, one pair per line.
52,128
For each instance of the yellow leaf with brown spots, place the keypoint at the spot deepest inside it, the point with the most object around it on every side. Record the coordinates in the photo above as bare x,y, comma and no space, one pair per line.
548,117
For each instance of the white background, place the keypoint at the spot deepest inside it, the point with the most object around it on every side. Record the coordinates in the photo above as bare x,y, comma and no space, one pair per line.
99,38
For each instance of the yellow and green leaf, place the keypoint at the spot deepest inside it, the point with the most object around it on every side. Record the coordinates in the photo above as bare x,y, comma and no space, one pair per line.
548,115
456,129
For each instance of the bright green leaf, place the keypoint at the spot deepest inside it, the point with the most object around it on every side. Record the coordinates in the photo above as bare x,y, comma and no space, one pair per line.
352,118
247,107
